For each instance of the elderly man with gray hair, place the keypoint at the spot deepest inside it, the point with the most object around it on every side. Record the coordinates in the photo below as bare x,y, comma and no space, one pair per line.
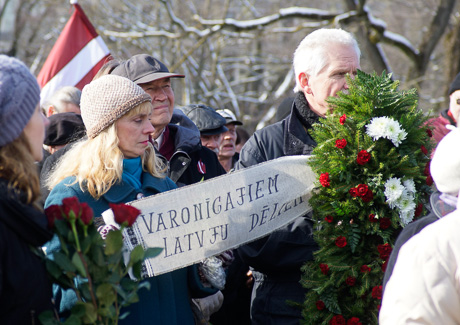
64,100
321,62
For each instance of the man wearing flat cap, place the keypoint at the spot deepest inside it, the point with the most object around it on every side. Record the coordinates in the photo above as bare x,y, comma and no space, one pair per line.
175,136
210,124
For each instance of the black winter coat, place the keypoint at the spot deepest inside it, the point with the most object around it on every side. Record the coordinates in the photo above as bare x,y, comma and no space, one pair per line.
25,290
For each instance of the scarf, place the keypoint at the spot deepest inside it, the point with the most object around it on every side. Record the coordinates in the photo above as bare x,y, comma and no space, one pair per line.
132,171
303,112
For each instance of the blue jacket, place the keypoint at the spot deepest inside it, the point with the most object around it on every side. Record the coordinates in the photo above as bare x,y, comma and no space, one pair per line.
168,300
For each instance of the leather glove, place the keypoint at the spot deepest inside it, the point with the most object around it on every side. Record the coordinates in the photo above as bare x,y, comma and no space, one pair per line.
210,304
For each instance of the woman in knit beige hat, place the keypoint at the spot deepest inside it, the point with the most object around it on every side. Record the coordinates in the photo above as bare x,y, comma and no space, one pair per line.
25,290
117,164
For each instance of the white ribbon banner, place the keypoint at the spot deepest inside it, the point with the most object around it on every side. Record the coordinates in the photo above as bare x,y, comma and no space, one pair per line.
207,218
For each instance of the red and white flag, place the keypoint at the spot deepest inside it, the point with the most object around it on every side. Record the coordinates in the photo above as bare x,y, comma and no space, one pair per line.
75,58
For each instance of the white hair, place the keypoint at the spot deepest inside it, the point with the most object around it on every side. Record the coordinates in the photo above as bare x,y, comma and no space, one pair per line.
310,56
64,95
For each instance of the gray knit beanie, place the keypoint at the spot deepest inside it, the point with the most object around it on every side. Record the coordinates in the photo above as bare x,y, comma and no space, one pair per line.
106,99
19,96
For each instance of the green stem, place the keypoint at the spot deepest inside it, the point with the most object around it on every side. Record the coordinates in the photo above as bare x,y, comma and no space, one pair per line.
90,282
74,231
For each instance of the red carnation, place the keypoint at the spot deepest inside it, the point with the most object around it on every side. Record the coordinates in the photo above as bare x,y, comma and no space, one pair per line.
363,157
377,292
71,204
86,214
354,321
385,223
353,192
362,189
426,171
429,180
53,213
372,218
320,305
341,143
351,281
324,179
124,213
429,133
384,250
368,197
425,152
338,320
342,119
329,219
341,241
365,269
324,268
384,266
418,210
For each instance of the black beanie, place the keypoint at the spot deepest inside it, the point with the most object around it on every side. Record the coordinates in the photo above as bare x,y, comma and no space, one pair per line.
64,128
455,85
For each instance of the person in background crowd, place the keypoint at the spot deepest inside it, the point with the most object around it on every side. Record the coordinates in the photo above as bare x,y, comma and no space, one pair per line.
227,150
448,117
116,113
210,124
25,290
242,136
424,284
321,62
65,99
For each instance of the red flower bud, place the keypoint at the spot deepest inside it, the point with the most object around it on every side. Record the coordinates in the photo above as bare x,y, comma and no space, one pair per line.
429,133
384,266
351,281
369,196
324,179
377,292
418,210
385,223
324,268
384,250
341,241
342,119
353,192
363,157
429,180
86,213
124,213
354,321
365,269
424,150
53,213
69,205
337,320
320,305
329,219
372,218
341,143
362,189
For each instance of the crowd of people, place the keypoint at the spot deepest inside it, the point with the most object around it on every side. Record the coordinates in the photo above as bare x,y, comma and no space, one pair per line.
143,144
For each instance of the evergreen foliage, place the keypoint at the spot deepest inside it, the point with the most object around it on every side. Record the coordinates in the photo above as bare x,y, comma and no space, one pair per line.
369,188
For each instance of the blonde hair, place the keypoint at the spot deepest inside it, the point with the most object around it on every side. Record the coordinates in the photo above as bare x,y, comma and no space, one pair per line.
97,163
17,165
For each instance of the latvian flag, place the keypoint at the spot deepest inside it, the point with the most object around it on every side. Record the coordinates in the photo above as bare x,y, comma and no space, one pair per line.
76,57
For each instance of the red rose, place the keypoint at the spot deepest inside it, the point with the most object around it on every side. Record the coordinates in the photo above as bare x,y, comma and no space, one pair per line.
338,320
362,189
341,241
385,223
53,213
384,250
363,157
365,269
342,119
320,305
341,143
324,179
426,171
372,218
368,197
354,321
353,192
351,281
124,213
329,219
429,133
429,180
425,152
418,210
377,292
324,268
86,214
71,205
384,266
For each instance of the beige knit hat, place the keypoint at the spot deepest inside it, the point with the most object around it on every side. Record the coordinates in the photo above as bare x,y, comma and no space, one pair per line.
106,99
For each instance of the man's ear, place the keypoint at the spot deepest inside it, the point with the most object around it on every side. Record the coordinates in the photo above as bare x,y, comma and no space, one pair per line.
304,82
50,111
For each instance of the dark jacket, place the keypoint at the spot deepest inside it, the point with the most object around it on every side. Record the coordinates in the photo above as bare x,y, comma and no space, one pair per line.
278,257
167,301
25,290
185,167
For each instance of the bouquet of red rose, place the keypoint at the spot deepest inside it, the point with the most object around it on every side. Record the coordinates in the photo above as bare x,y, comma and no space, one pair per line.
91,266
371,163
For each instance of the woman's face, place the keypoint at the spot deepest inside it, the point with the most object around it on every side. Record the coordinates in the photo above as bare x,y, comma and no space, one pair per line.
35,133
133,134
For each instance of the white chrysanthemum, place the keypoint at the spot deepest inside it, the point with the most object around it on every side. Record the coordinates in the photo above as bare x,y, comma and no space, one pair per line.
401,136
393,191
406,217
406,202
377,128
409,185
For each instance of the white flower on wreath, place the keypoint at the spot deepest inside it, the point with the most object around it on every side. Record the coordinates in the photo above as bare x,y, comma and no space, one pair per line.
393,191
409,185
386,127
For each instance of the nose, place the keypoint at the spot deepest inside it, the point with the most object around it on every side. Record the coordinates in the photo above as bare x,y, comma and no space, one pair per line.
148,127
159,95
